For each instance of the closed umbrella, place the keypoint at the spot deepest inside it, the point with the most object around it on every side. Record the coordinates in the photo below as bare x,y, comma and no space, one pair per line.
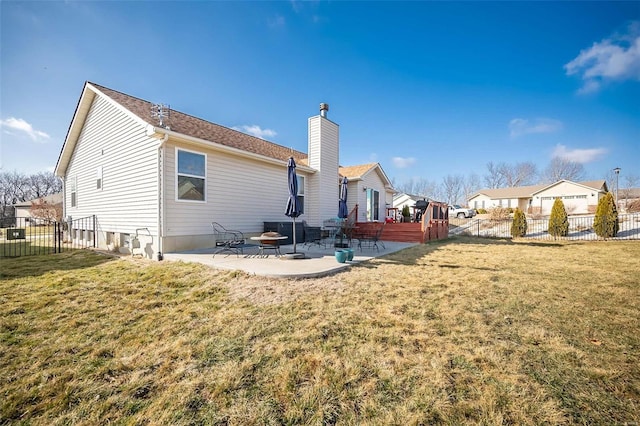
293,205
343,211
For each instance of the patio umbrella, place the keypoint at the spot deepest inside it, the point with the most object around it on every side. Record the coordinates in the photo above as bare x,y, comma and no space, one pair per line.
293,205
343,211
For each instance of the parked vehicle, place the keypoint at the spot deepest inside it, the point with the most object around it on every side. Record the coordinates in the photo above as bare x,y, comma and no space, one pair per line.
461,212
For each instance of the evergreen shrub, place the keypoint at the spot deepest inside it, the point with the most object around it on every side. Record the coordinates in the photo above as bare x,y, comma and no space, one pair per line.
519,224
605,223
558,221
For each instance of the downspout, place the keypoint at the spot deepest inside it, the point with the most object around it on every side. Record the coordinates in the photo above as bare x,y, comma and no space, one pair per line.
161,194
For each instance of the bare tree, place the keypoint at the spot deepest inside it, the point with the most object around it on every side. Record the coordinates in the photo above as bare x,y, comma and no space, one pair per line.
470,186
18,187
494,177
630,182
452,188
43,184
13,189
519,174
421,187
560,168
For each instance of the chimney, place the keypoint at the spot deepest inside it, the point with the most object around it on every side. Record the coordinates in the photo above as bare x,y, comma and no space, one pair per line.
323,109
323,157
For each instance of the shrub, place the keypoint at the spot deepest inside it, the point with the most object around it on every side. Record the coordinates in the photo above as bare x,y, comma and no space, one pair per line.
519,225
405,211
482,211
605,224
499,213
558,221
633,206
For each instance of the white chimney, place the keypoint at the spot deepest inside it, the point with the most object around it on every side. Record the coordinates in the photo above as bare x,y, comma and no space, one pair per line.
323,156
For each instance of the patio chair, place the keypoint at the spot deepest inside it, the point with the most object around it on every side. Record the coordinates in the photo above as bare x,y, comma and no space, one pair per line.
227,240
370,236
312,235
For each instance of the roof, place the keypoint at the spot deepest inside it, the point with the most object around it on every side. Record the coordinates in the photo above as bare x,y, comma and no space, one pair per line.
629,193
49,199
178,122
413,197
202,129
528,191
356,172
360,171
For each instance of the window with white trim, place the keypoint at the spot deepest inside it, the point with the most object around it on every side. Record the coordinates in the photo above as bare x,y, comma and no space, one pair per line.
191,175
73,190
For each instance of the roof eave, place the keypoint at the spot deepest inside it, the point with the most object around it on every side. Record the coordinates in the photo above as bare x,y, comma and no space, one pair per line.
156,131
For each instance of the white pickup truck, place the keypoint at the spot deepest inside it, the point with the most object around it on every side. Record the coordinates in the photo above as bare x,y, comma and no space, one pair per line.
460,212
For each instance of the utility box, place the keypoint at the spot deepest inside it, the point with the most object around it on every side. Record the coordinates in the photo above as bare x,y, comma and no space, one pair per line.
286,229
15,234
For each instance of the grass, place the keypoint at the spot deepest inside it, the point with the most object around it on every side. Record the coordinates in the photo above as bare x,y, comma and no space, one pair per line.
461,331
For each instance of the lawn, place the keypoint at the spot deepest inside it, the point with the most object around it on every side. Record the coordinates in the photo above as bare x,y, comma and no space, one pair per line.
463,331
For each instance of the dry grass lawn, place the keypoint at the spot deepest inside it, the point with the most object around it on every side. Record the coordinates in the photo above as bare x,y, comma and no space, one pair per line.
464,331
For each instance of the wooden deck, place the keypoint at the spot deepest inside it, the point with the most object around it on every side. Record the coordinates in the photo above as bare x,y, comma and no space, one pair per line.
409,232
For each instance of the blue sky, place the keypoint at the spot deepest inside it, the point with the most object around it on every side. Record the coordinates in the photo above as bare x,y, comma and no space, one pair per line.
427,89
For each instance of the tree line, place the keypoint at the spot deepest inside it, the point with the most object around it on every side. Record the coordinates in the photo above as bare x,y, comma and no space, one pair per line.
16,187
457,189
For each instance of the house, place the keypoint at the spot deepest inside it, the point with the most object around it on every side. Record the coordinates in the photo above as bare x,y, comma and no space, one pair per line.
48,206
629,199
578,197
365,183
166,175
402,199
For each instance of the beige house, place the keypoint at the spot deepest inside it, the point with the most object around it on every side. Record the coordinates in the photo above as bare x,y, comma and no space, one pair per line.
578,197
24,213
138,167
364,189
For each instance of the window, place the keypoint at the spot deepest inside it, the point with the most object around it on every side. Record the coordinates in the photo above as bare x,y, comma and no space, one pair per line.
301,193
99,177
73,190
191,175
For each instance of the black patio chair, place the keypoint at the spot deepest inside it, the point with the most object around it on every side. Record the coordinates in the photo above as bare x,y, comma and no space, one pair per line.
371,236
227,240
312,235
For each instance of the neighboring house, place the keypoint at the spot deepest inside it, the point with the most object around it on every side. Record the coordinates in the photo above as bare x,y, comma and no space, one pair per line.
402,199
24,214
578,197
627,196
170,178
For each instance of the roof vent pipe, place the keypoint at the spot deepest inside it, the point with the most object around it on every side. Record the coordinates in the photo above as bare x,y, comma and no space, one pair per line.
323,109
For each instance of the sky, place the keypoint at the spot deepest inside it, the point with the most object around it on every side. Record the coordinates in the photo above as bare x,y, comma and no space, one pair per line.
427,89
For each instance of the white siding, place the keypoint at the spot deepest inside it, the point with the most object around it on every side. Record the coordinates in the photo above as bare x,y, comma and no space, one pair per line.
323,186
371,180
112,140
242,193
481,202
576,198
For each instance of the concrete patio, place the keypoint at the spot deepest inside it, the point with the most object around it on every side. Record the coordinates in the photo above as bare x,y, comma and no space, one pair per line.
318,261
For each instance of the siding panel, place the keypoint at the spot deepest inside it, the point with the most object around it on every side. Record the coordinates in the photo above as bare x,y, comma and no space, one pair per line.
241,194
128,199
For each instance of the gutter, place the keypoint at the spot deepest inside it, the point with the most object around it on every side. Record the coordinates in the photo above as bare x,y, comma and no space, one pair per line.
156,131
160,162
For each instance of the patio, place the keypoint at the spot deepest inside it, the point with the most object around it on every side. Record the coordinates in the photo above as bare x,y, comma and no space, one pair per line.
318,261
